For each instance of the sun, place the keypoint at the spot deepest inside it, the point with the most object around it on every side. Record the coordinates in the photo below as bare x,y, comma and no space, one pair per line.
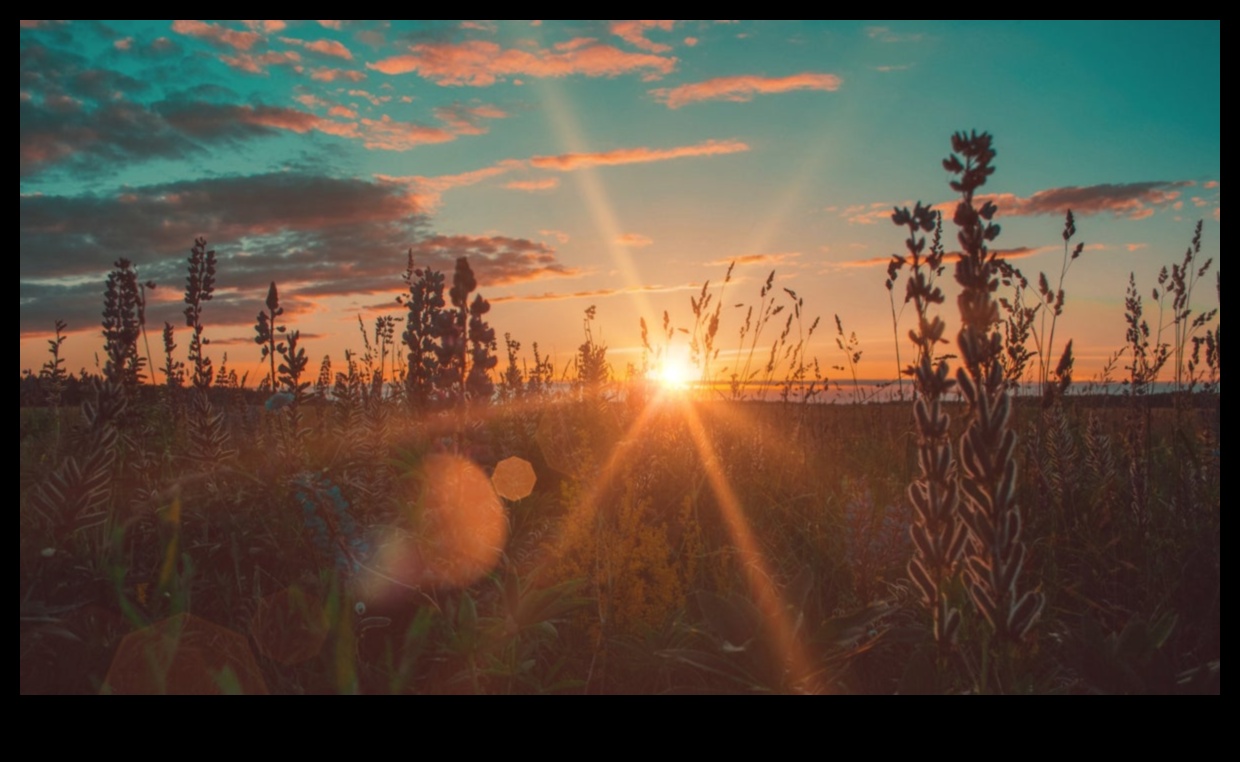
675,373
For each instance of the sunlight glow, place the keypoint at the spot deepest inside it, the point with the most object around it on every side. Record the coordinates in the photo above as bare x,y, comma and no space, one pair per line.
674,373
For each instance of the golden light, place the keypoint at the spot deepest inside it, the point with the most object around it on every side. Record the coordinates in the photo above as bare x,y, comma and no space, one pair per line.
675,372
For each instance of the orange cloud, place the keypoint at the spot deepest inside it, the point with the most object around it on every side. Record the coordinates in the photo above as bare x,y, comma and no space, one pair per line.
430,189
324,47
634,33
219,121
387,134
634,240
375,100
755,259
480,63
468,120
217,34
1135,246
268,26
571,161
1132,200
546,183
743,88
869,214
331,75
331,24
258,64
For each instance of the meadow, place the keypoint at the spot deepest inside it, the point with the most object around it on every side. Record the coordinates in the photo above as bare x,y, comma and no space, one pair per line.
440,513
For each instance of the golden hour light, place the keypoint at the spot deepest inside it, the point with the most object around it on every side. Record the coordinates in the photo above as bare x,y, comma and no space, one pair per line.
619,357
675,372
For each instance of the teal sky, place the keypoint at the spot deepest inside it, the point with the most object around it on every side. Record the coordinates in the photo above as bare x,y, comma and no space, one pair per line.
618,164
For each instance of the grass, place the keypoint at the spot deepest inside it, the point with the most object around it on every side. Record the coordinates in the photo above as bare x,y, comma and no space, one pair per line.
345,537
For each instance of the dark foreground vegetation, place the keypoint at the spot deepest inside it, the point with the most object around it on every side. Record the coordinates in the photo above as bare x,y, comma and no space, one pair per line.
433,516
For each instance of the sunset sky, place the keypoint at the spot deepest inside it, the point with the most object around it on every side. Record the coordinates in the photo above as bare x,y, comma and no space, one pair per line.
619,164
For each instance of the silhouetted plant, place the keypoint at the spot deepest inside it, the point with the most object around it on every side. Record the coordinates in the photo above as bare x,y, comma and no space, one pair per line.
466,343
996,553
1183,278
199,288
208,434
541,374
174,369
938,535
851,348
1053,301
512,383
124,319
266,330
593,372
426,303
482,347
52,374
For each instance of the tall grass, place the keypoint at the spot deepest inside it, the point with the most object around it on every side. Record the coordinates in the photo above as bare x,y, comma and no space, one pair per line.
693,541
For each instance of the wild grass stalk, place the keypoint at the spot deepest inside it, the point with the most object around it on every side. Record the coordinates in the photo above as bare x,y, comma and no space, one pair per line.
209,440
996,555
938,534
1053,303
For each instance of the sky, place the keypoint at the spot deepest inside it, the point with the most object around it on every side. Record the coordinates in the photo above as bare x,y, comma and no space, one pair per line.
619,164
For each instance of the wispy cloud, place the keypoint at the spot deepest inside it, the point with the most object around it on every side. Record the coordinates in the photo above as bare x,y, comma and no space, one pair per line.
259,63
868,214
466,119
885,34
430,189
532,186
634,240
332,75
743,88
756,259
1132,200
269,26
634,33
216,34
570,161
322,47
479,63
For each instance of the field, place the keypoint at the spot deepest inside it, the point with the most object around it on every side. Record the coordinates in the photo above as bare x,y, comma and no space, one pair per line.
433,515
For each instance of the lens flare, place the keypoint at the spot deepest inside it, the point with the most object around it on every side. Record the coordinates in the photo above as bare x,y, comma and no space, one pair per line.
457,529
